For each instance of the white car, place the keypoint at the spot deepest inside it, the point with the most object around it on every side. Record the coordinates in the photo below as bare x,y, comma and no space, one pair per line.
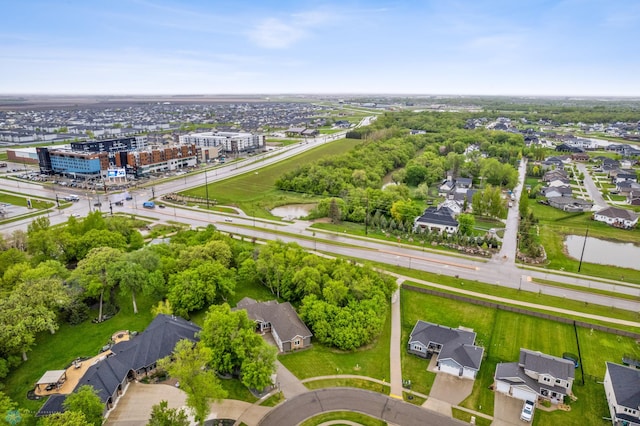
228,219
527,411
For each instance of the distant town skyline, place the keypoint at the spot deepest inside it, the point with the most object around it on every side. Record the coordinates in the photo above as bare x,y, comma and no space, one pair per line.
464,47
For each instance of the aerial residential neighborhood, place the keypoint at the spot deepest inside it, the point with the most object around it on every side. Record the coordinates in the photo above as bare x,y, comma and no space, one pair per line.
319,213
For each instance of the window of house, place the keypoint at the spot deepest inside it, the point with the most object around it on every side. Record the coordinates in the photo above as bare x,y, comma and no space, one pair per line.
558,380
417,347
296,342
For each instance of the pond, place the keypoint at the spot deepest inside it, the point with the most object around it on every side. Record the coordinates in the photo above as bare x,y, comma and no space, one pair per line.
293,211
603,252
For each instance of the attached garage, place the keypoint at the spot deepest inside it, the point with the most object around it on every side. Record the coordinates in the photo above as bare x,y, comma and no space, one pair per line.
523,393
502,387
469,373
449,366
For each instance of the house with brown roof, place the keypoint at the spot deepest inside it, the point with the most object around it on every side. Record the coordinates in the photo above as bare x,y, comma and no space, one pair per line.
279,319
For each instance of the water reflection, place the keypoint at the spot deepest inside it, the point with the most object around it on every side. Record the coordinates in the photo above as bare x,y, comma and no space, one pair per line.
603,252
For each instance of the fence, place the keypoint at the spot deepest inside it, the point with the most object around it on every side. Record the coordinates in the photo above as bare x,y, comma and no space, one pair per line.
522,311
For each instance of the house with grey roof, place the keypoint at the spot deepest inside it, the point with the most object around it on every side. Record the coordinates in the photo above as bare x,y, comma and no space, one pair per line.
570,204
281,320
535,375
456,351
622,388
556,191
436,219
129,360
619,218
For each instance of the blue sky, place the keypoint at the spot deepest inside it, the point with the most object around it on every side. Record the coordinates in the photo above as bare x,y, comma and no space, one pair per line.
492,47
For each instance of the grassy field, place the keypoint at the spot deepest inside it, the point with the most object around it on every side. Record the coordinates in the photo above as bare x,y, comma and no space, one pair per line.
351,416
371,360
515,294
255,192
504,333
351,383
555,225
56,351
17,200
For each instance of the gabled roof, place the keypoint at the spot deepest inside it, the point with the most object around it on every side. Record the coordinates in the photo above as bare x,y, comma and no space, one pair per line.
457,344
616,213
438,216
625,382
512,373
556,367
156,342
282,316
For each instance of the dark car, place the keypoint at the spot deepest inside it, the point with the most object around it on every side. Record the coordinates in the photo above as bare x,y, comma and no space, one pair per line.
162,206
119,203
98,204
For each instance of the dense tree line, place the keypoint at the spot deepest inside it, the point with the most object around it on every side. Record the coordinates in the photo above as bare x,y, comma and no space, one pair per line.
344,305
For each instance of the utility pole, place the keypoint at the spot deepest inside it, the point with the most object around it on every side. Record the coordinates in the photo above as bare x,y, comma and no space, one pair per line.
586,234
206,187
366,219
111,208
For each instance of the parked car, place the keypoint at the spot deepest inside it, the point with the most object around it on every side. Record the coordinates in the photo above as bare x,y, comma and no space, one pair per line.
527,411
119,203
98,204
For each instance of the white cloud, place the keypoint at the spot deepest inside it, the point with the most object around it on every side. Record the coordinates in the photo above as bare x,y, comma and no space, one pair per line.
280,33
272,33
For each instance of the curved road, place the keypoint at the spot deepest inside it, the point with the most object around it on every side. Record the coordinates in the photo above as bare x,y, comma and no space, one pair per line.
394,411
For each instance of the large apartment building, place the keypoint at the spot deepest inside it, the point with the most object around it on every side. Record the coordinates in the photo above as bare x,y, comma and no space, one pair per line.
229,142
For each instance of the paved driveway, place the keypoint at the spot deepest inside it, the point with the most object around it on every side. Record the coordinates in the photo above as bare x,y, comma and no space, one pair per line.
506,411
451,389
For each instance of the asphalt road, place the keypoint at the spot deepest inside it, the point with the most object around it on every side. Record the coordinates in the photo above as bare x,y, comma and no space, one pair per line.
593,191
299,408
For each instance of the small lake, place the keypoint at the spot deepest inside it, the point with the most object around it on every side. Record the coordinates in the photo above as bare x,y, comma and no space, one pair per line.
603,252
293,211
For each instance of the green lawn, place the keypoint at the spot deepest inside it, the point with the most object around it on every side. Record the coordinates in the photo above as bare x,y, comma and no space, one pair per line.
236,390
556,224
351,383
55,352
17,200
351,416
255,192
371,360
503,333
419,306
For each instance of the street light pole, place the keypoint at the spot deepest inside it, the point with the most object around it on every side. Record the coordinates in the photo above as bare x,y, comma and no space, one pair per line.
586,234
206,187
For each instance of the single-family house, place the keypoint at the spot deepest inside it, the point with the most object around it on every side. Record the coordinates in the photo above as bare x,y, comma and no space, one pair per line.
626,187
453,205
623,176
281,320
570,204
129,360
310,132
556,191
634,198
456,351
622,389
440,219
559,182
446,187
609,164
294,131
620,218
564,147
554,174
535,375
580,156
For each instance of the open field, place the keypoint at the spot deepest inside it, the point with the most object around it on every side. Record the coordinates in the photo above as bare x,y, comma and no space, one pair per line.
504,333
255,192
371,360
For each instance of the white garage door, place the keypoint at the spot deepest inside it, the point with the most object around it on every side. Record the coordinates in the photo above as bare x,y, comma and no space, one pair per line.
445,368
467,372
502,386
523,394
